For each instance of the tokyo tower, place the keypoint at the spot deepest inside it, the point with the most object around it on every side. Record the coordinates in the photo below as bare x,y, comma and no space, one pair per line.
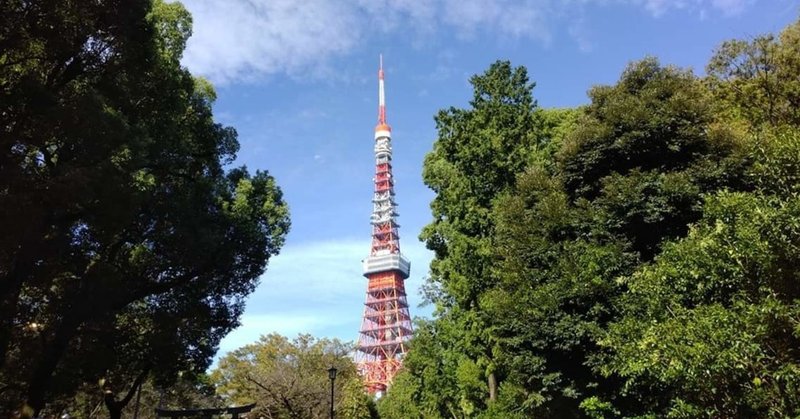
386,325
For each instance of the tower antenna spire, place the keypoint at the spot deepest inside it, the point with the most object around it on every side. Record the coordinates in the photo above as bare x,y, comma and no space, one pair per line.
381,95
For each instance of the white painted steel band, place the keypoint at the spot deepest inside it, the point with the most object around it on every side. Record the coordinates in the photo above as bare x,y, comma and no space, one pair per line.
389,262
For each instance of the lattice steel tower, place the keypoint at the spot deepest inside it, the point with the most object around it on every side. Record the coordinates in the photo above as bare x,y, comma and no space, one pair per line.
386,326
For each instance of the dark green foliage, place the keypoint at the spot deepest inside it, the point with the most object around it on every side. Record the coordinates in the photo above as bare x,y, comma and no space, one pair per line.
722,306
429,387
655,118
553,298
477,156
712,322
129,250
556,126
642,261
622,184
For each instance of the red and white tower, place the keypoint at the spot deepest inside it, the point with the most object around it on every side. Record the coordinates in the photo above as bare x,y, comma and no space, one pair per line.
386,326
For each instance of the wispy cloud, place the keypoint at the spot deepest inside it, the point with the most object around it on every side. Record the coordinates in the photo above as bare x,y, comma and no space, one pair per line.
524,19
318,288
238,40
243,39
389,15
726,7
731,7
579,33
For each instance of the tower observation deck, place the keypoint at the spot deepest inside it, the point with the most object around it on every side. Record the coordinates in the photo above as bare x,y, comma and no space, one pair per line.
386,324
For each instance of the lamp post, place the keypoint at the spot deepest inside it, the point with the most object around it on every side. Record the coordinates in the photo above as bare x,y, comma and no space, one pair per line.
332,375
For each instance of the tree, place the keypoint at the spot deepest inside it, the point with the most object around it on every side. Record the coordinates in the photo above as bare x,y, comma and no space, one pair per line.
631,175
289,379
756,81
723,332
476,157
132,250
430,385
356,403
714,320
708,323
401,400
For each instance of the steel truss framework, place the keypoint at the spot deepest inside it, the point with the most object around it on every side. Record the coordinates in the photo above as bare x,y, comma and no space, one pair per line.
386,324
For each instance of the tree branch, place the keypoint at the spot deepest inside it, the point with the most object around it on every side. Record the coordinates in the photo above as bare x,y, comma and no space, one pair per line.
136,384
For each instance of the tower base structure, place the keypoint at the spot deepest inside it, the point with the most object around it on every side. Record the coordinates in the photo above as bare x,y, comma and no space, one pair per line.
386,325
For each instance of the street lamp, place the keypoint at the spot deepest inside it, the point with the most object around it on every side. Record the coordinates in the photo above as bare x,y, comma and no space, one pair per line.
332,375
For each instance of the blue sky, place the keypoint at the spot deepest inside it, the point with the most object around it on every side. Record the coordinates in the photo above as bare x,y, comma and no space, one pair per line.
297,79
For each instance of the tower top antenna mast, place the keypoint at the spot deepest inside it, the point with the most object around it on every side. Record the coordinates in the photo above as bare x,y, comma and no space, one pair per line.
381,99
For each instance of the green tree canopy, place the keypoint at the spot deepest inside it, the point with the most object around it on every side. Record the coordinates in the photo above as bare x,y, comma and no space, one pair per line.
289,379
756,81
130,250
630,258
476,157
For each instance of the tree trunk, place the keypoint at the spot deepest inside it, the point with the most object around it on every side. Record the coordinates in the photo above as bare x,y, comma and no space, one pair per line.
50,357
114,412
10,288
8,312
115,406
54,349
492,382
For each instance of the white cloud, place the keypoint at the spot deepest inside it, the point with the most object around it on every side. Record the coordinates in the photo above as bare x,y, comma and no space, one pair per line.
524,19
579,33
387,15
731,7
249,39
727,7
242,39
